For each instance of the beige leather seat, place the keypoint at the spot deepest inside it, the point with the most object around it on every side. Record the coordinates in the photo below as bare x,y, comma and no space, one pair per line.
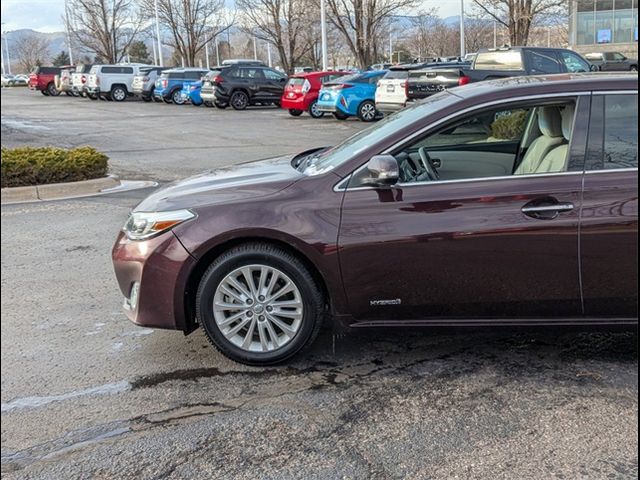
556,160
550,124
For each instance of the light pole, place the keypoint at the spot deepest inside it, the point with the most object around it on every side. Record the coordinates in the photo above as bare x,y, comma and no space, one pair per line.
206,52
255,48
323,34
158,34
6,44
217,52
66,15
462,49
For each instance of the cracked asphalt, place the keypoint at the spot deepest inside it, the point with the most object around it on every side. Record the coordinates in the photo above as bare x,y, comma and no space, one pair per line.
86,394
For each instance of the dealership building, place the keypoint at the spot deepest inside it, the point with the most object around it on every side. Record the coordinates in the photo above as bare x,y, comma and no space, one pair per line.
604,26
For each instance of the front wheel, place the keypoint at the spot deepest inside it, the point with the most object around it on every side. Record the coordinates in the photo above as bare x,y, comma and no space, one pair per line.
177,98
118,93
313,110
45,92
295,113
221,105
633,68
53,91
239,100
367,111
259,305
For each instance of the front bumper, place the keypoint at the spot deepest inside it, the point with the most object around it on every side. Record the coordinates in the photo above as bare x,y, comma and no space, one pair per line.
158,268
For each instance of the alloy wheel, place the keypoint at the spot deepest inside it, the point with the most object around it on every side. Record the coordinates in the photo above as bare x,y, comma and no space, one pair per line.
258,308
367,112
239,100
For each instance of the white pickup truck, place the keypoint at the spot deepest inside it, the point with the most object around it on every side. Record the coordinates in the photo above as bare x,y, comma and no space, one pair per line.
112,82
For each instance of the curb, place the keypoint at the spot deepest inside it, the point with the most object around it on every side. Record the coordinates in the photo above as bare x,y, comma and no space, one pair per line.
54,191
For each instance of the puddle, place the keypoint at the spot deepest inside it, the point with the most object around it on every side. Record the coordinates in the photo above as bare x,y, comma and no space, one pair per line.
35,402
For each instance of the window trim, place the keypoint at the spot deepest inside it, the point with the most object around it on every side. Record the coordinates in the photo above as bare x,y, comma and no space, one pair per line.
343,184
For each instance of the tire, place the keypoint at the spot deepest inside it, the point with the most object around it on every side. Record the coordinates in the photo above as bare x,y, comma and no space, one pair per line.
239,100
118,93
207,104
166,100
633,68
313,110
68,94
176,97
340,116
196,104
53,91
301,325
45,92
367,111
221,105
295,113
92,96
146,99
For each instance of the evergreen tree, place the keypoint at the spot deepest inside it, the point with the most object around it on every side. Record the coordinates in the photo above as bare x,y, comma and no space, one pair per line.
138,52
61,59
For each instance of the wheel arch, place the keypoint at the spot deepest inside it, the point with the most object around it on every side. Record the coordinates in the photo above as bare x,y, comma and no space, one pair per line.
204,261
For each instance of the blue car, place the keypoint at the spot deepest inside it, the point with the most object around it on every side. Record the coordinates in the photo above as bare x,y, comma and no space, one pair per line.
191,92
353,95
168,86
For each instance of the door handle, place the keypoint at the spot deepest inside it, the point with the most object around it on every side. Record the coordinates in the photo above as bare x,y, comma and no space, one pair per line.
547,209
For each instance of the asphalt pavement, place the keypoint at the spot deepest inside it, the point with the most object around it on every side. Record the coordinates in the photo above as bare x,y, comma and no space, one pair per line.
86,394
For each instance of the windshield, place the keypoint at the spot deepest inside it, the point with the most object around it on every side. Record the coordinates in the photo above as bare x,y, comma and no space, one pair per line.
325,160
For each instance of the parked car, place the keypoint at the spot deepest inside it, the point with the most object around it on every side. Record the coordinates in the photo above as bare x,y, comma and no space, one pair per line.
242,84
63,81
496,63
391,92
191,92
143,84
14,80
612,61
112,82
169,84
301,92
43,79
473,208
79,79
353,95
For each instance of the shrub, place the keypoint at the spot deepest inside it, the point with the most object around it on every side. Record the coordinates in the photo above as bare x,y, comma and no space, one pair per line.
509,127
25,166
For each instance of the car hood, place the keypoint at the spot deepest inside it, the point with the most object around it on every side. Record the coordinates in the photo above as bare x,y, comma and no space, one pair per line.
224,185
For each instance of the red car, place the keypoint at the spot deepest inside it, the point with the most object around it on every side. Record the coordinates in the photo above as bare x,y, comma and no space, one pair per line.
44,79
301,92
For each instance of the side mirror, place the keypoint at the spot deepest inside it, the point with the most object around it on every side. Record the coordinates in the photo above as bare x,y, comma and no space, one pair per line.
383,171
594,68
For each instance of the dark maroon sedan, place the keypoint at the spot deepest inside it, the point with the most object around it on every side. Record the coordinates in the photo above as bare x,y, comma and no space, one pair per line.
500,203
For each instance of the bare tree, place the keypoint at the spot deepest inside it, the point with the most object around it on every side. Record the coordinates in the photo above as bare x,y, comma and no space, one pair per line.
363,23
279,22
31,51
106,27
192,24
519,15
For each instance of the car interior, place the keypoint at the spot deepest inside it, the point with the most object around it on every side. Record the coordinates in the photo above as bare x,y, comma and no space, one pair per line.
502,142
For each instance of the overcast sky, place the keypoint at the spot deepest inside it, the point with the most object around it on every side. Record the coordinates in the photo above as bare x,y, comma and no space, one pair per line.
46,15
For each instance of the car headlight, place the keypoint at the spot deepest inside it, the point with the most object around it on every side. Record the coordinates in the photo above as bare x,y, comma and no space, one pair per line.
144,225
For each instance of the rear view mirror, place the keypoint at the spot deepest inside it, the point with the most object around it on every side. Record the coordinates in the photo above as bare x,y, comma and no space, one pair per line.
383,171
